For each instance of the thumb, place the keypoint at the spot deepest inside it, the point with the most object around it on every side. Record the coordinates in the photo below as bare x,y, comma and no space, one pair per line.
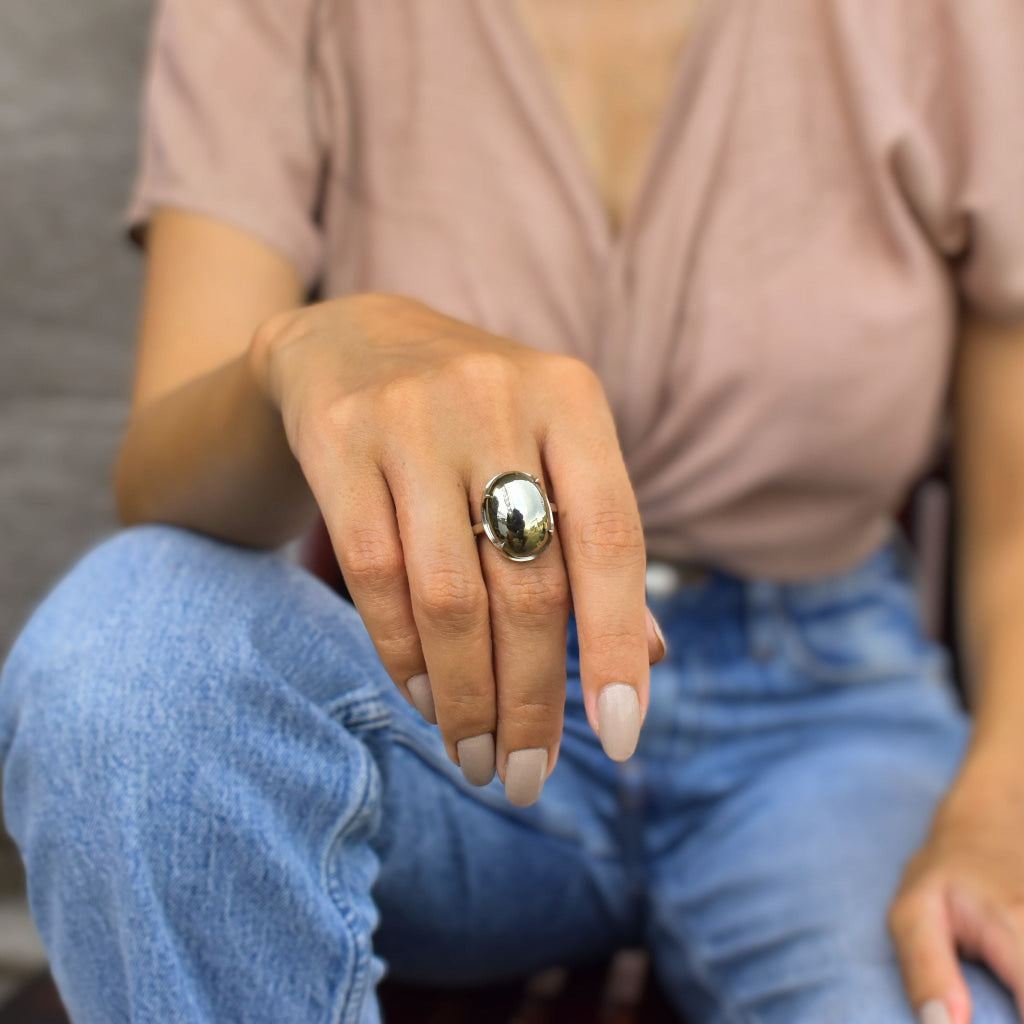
655,640
926,946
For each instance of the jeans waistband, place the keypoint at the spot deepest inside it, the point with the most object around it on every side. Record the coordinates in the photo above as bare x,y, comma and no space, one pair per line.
688,581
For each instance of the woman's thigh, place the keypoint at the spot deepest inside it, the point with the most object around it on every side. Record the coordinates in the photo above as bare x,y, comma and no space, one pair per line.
775,910
473,888
204,763
820,731
471,891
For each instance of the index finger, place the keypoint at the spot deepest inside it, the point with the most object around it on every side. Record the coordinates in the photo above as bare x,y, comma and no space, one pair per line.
603,546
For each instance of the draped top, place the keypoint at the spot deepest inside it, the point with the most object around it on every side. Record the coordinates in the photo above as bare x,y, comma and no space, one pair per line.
832,183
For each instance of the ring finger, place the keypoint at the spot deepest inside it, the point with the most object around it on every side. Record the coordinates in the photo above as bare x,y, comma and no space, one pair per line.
529,611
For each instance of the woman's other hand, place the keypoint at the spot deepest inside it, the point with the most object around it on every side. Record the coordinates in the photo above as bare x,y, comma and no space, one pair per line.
964,890
399,416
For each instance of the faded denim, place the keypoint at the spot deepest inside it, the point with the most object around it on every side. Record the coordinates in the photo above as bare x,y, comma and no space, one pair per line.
228,813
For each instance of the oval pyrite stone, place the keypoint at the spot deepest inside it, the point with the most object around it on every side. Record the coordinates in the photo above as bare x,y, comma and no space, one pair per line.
516,516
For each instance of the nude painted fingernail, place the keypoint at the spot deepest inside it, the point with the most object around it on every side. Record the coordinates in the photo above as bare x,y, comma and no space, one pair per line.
423,696
618,720
476,758
524,775
655,639
934,1012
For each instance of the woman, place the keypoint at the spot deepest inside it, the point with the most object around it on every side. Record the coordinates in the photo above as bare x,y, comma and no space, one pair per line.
701,271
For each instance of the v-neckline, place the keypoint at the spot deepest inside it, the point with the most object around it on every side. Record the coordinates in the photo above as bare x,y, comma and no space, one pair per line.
563,139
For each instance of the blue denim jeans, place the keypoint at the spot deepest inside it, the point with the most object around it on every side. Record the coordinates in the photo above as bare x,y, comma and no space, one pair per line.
228,813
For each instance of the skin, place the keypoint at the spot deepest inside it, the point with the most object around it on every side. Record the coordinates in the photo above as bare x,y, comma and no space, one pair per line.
613,100
398,416
251,412
965,886
390,417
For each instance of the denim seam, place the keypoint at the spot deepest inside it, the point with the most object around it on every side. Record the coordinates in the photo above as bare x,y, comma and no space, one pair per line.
358,710
352,985
704,976
351,989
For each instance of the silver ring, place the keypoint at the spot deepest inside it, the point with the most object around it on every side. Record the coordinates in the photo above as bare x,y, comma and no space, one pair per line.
517,517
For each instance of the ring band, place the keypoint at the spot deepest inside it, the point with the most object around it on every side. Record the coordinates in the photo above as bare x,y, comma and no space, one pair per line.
517,517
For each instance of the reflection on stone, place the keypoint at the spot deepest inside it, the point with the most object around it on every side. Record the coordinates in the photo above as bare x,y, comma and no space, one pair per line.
515,531
516,516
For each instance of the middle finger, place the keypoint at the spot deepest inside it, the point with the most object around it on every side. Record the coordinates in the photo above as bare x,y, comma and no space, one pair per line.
529,610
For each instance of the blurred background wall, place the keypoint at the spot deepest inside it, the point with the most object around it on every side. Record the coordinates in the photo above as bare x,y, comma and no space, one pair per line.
69,83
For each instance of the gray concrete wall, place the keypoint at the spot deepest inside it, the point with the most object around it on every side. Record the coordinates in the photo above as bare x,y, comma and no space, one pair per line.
69,78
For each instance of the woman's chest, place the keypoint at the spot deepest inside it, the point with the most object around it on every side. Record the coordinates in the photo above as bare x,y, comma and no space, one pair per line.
611,65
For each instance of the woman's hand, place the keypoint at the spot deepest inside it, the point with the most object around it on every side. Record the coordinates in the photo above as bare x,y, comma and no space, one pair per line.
399,416
965,890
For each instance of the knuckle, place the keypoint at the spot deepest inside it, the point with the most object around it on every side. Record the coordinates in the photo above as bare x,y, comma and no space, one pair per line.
538,714
452,595
570,369
468,707
536,722
326,430
401,397
903,913
575,379
338,418
370,562
611,535
397,646
537,594
481,370
1015,902
312,440
1013,909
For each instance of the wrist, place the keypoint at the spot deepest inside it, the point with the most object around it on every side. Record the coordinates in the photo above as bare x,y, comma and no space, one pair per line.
991,776
358,311
259,357
996,747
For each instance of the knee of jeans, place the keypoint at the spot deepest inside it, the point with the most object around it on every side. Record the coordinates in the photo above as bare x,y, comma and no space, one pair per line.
160,594
160,643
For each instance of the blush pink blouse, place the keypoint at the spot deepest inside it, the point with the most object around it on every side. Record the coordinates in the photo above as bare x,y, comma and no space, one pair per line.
775,323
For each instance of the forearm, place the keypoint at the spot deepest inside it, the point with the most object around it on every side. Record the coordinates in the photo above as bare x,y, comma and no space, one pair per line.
212,456
992,616
990,487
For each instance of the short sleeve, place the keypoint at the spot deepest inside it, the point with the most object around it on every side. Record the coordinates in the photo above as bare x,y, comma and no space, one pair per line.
228,122
971,99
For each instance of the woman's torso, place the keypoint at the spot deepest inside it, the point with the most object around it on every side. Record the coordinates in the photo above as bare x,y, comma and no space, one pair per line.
733,255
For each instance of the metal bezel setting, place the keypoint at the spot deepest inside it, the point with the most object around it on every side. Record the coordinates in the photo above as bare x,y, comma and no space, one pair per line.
490,490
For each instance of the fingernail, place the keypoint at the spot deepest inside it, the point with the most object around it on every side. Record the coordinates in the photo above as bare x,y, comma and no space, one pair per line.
423,697
618,720
655,639
476,758
934,1012
524,775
